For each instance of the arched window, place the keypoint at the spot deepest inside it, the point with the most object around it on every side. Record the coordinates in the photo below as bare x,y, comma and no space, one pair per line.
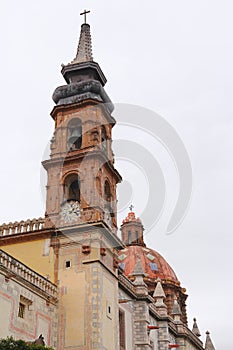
74,134
72,188
107,191
136,237
103,138
129,237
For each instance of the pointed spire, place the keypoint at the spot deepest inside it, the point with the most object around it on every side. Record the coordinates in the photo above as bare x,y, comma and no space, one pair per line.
195,329
159,297
138,269
139,274
208,344
84,77
159,292
84,51
176,308
176,311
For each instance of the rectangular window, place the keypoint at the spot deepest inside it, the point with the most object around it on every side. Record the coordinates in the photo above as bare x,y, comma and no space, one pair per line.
24,307
21,311
122,329
122,266
109,310
68,263
153,266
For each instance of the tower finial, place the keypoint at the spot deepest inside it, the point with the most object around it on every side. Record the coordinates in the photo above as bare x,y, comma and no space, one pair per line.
208,344
176,311
195,329
159,297
84,51
139,275
85,15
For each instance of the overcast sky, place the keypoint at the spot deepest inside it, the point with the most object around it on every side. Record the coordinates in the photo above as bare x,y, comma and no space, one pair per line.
173,57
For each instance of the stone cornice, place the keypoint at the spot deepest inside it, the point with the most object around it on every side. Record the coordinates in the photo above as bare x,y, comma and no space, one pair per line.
185,333
25,237
78,105
90,227
64,158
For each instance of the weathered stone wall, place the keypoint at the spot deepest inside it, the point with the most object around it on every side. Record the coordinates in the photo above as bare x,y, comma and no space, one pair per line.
26,311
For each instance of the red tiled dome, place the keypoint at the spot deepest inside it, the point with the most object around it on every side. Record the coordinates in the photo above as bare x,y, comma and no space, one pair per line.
154,265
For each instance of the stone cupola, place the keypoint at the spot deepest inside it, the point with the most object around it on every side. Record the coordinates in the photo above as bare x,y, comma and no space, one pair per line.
132,230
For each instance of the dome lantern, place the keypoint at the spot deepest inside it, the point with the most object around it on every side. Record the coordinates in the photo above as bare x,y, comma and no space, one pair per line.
132,230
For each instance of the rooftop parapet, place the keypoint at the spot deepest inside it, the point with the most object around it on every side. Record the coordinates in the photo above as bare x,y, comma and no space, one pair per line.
13,228
17,270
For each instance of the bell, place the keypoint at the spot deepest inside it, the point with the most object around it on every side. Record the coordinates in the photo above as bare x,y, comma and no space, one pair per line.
75,137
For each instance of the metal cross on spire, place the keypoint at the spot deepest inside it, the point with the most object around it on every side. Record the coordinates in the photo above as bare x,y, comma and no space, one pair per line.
85,15
131,207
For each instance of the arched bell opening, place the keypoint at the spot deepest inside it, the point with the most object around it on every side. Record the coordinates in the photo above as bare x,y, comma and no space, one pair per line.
72,188
74,135
107,191
109,205
103,138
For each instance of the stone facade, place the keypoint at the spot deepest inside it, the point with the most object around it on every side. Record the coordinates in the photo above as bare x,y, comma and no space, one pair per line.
83,311
28,303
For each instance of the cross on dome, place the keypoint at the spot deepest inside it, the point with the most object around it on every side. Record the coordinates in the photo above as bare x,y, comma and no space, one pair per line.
131,207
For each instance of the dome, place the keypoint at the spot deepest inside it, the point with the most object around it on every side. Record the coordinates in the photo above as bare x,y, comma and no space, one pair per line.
154,265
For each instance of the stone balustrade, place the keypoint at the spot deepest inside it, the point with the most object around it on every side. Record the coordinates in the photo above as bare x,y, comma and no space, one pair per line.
22,227
18,270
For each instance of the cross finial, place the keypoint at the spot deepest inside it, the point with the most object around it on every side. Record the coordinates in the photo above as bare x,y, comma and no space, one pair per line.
85,15
131,207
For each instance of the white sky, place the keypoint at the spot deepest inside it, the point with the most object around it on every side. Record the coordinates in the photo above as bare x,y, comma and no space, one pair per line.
174,57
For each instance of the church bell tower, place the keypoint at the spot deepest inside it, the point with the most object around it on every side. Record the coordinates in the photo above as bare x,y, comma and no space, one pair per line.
81,175
81,205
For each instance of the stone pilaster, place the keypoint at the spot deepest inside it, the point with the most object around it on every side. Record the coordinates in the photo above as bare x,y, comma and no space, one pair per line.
141,309
96,307
182,344
163,335
141,322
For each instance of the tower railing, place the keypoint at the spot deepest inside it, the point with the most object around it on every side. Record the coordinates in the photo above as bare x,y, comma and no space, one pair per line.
22,227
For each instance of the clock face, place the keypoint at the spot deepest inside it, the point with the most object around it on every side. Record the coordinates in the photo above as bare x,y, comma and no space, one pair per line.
70,211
